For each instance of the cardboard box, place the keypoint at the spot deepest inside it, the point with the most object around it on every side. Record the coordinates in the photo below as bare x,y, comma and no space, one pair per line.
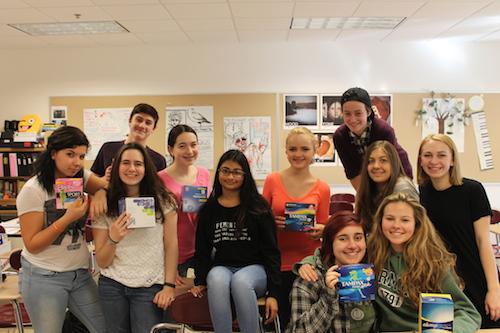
435,313
299,216
193,197
67,190
141,210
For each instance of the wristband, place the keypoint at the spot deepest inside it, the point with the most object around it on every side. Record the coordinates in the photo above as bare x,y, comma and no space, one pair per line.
168,284
113,242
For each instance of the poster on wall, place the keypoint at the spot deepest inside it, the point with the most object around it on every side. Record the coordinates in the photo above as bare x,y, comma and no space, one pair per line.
331,111
445,116
300,110
252,136
325,155
103,125
382,106
201,119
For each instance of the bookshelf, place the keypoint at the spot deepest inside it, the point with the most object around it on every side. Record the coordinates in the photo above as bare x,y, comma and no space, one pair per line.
15,170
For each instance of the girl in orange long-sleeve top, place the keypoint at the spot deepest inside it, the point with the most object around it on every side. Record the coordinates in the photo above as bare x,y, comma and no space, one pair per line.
296,184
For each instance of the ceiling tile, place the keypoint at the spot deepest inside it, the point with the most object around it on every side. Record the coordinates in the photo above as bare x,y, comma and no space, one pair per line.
12,4
263,36
164,38
68,41
324,9
262,10
243,23
312,35
421,28
23,16
59,3
67,14
116,39
8,42
153,26
365,35
137,12
206,24
388,8
191,1
6,30
125,2
191,11
458,9
213,36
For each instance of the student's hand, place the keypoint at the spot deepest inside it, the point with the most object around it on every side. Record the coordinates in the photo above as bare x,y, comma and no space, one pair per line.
164,297
77,209
280,222
271,309
492,304
317,231
308,273
183,284
332,277
107,173
198,291
99,203
118,229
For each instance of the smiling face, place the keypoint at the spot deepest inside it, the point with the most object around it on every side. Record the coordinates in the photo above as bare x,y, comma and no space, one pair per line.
349,245
436,160
231,176
69,161
379,166
141,126
398,224
355,116
185,149
300,151
131,169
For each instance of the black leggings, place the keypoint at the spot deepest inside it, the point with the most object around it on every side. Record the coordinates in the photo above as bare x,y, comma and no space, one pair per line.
284,307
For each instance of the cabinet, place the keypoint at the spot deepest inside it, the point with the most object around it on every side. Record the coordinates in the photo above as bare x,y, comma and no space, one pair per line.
15,170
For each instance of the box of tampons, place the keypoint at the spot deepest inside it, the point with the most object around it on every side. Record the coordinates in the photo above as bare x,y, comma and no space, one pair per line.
435,313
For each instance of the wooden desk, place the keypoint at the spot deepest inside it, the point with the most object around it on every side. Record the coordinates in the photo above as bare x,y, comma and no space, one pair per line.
9,292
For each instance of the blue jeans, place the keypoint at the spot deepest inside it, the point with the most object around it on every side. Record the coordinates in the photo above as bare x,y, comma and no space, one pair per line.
244,285
47,294
129,309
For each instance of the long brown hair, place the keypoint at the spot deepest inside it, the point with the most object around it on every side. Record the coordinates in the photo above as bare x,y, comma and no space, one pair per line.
368,196
426,258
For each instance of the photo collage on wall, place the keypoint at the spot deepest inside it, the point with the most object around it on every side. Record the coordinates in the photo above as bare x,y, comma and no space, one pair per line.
322,114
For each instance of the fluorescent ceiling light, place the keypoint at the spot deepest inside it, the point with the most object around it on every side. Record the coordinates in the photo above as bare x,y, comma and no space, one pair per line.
346,22
69,28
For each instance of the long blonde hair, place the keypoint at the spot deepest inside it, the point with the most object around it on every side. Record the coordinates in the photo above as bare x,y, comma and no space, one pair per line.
455,175
425,255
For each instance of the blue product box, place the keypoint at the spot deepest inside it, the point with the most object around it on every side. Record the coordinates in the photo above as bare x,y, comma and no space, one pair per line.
356,283
435,313
193,197
299,216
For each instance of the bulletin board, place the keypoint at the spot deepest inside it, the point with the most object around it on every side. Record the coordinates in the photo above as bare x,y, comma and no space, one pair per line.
224,105
237,105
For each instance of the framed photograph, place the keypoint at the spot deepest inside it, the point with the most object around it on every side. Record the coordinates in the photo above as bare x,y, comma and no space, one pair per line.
382,106
331,111
301,110
59,114
326,155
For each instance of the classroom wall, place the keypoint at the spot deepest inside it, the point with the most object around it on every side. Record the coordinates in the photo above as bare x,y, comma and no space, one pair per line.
29,77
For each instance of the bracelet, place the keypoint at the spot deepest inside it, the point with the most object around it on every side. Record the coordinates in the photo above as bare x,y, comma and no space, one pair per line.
56,228
169,284
113,242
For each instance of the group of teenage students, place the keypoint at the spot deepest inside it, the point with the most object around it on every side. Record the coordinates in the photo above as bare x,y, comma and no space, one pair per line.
236,243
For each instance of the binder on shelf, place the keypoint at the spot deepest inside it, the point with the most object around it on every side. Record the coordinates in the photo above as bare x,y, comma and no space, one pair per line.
13,164
5,162
1,167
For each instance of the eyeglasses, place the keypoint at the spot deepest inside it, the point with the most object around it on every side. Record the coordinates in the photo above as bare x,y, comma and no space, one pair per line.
236,173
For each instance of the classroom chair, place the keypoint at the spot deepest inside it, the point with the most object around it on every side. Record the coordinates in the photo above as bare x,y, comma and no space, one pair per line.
13,314
347,197
337,206
191,313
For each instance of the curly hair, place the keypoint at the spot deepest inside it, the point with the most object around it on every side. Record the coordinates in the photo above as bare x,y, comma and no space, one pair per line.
369,196
425,255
